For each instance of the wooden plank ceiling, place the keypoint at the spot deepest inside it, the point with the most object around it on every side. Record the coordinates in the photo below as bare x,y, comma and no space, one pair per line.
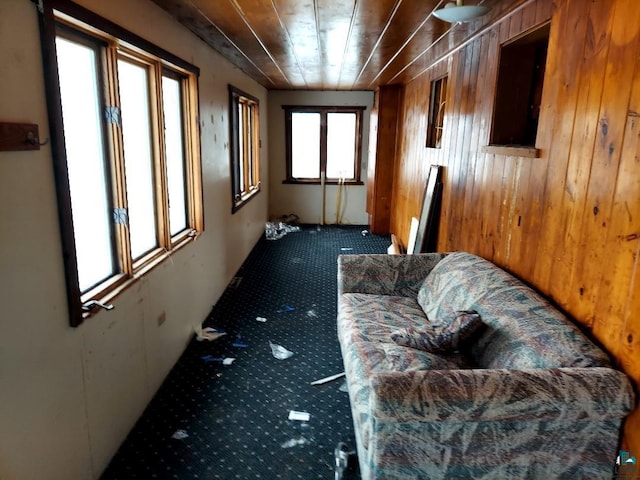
330,44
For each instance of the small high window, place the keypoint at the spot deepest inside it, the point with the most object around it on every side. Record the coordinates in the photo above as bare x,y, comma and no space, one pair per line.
437,102
519,89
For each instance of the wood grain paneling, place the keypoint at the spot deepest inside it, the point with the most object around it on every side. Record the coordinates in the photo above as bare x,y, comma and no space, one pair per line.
567,222
382,153
330,44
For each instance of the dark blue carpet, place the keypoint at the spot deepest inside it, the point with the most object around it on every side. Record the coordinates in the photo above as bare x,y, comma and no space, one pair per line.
211,421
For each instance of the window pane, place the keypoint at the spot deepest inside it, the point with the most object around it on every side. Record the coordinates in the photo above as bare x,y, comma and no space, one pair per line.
136,132
255,146
250,150
88,184
305,145
174,146
245,157
341,145
241,133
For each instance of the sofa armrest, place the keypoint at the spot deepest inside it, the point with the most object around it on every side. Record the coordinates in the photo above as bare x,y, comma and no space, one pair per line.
385,274
566,394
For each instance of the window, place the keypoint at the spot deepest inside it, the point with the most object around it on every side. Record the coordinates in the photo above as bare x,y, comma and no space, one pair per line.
437,101
126,153
245,147
519,89
323,141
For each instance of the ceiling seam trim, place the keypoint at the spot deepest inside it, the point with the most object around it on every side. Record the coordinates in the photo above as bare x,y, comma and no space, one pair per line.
255,35
286,30
396,7
415,32
346,44
232,43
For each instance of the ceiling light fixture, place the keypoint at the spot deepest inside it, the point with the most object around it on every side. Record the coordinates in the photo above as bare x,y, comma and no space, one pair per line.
456,12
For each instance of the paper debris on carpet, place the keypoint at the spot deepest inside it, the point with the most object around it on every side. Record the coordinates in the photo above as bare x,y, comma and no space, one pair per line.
208,333
295,442
180,435
300,416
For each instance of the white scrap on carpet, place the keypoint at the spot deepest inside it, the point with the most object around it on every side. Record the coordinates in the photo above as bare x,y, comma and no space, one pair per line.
301,416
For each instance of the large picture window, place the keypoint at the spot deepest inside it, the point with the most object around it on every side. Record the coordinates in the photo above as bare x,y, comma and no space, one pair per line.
323,142
126,153
245,146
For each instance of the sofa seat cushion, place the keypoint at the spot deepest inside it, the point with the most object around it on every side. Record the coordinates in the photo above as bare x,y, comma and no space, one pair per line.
364,360
370,358
364,317
523,329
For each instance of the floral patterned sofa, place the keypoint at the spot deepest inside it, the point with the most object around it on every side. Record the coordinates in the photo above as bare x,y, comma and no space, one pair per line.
528,396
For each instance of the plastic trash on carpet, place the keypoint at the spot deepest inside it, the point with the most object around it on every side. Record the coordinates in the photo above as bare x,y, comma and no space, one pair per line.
279,352
277,230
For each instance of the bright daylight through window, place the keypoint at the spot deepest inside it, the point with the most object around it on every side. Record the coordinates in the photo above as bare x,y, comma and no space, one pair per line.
245,146
323,141
132,192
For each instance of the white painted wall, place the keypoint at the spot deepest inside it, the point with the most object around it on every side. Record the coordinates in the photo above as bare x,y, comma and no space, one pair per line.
306,200
68,397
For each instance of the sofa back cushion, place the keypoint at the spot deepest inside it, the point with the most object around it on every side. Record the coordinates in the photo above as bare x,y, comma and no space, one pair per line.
523,330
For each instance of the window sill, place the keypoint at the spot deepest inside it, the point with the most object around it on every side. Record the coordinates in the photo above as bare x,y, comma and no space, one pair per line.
106,292
512,150
237,205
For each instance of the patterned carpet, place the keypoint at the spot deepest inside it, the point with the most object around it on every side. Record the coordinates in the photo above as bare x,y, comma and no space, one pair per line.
216,421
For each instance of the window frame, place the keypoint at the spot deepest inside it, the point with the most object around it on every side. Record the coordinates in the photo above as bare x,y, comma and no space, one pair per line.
68,20
289,110
437,108
245,171
519,129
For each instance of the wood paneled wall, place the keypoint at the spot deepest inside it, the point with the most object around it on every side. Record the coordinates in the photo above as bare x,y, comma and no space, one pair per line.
567,222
